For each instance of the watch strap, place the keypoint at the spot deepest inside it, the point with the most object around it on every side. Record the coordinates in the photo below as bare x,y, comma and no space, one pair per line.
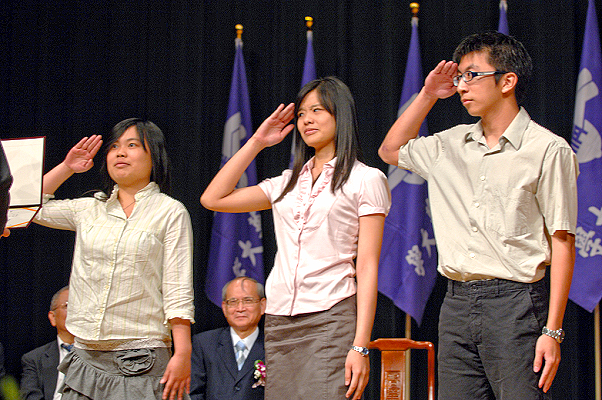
362,350
557,335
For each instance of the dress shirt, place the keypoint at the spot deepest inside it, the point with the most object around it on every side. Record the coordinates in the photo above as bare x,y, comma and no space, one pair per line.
494,209
60,377
316,233
249,341
129,275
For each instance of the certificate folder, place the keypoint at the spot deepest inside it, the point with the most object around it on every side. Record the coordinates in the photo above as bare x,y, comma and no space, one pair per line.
26,161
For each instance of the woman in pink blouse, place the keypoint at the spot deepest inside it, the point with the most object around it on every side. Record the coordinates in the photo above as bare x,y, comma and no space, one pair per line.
329,213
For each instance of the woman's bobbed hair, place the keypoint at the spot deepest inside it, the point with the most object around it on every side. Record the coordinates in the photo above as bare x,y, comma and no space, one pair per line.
152,140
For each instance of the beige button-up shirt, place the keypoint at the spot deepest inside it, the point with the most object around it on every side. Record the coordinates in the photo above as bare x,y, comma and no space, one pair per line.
129,275
494,209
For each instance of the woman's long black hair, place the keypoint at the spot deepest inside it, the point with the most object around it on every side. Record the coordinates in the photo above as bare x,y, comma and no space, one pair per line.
336,98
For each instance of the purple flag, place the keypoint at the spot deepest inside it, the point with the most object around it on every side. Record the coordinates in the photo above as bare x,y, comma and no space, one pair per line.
309,74
408,260
502,26
236,239
586,289
309,66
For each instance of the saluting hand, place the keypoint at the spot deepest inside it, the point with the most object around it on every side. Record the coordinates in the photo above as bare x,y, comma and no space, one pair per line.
80,157
439,82
275,128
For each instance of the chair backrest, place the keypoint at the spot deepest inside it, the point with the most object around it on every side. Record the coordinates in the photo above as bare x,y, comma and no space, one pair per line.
393,366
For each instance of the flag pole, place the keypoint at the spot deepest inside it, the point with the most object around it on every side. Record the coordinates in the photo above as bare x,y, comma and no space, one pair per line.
408,326
597,351
408,376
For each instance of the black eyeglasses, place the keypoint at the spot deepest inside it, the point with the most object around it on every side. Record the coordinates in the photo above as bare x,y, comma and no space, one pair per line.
470,75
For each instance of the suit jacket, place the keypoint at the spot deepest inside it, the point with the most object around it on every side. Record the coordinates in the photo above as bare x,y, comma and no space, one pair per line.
2,370
215,375
38,381
6,180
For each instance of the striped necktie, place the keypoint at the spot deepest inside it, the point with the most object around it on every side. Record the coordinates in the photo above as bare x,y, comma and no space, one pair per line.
66,346
240,353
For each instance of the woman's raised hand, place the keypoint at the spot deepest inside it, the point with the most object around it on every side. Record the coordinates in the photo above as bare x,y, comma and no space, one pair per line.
275,128
80,157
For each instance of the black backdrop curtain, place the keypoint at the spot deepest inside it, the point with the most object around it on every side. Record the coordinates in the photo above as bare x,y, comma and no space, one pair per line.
74,68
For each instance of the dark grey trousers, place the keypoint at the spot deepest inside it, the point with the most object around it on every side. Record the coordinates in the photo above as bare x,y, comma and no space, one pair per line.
487,335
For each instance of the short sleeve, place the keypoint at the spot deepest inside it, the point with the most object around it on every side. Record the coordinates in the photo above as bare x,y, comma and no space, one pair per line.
375,195
419,154
273,187
557,188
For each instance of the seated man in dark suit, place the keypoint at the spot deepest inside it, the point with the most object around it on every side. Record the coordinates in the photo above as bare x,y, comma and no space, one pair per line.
40,379
216,374
6,181
2,370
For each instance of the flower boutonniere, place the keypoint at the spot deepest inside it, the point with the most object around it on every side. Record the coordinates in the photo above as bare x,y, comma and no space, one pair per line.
259,374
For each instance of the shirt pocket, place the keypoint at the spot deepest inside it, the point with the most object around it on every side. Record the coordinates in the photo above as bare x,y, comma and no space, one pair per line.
509,213
142,251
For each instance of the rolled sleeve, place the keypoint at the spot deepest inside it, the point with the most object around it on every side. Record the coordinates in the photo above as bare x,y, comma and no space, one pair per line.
61,214
178,294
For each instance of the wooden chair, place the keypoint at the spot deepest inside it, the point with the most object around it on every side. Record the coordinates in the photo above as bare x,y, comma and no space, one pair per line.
393,366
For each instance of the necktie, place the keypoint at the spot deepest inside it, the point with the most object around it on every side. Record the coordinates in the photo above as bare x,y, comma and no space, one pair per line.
67,347
240,353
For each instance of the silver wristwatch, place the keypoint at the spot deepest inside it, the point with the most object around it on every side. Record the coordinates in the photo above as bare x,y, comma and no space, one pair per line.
362,350
558,335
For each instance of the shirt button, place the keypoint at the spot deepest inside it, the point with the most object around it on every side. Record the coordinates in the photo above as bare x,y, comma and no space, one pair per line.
474,229
482,177
477,204
472,255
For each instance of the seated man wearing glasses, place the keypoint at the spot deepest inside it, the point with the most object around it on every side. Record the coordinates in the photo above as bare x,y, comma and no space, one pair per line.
503,201
40,379
223,359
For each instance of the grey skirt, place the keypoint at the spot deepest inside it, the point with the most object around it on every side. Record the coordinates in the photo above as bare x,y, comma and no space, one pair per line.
305,354
114,375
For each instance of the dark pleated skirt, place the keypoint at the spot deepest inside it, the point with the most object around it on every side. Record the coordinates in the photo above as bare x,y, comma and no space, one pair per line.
305,354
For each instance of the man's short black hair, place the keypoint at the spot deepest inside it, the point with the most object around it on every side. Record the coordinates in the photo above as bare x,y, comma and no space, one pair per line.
505,54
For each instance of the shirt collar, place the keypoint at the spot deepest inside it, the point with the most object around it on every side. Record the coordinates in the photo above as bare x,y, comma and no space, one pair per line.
310,164
249,341
146,191
513,134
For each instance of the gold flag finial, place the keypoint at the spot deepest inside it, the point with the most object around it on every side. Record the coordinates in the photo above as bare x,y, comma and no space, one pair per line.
309,22
415,7
238,28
